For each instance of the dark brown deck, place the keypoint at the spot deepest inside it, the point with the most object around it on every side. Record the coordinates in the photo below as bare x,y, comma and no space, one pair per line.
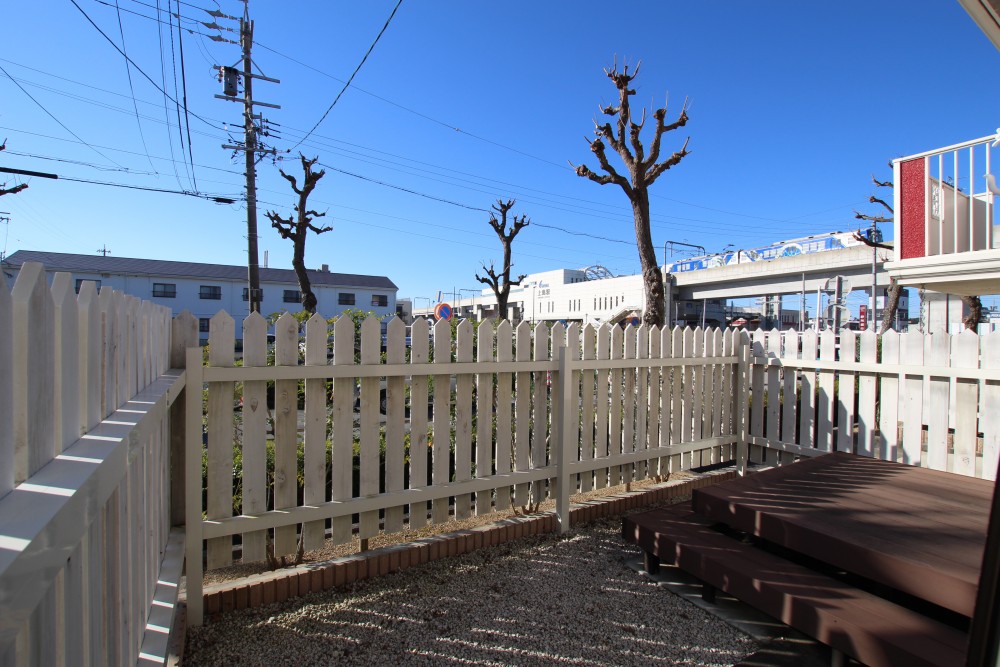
868,628
916,530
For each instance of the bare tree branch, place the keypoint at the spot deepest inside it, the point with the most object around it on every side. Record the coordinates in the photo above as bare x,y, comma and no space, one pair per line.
500,282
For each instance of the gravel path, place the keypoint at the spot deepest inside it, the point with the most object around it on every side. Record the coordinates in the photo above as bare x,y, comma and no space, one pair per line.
537,601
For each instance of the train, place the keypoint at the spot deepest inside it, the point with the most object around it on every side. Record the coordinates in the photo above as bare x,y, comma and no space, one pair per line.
789,248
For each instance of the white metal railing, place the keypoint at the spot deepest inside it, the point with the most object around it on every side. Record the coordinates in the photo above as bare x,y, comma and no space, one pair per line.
957,203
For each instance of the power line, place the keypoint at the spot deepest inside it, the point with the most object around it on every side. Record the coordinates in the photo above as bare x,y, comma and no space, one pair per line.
397,187
135,106
351,78
61,124
187,118
138,69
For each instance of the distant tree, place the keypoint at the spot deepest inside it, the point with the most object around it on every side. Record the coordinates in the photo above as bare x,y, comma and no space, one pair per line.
500,282
4,190
972,303
642,172
296,228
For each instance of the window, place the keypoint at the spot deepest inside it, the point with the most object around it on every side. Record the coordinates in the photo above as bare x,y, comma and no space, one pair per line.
291,296
380,300
246,294
345,299
203,324
213,292
80,281
165,290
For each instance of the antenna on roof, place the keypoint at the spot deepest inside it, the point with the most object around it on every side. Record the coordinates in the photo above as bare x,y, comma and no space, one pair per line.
103,250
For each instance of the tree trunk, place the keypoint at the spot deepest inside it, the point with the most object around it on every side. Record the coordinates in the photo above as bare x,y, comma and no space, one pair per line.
652,277
975,307
892,304
299,264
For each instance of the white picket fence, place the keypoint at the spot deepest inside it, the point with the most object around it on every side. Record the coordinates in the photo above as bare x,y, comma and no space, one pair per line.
517,416
84,486
931,400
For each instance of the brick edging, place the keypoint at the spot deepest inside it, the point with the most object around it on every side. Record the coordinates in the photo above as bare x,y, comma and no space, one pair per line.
280,585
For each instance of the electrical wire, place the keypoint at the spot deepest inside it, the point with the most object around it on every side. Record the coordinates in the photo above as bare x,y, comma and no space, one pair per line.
351,78
50,115
138,69
187,118
128,72
397,187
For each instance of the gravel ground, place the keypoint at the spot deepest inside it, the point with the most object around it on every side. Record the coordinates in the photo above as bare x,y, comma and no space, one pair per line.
538,601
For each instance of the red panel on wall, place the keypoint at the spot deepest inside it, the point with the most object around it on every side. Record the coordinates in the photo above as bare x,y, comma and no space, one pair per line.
913,198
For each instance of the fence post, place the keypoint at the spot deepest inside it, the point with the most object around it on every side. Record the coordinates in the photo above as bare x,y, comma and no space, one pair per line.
566,411
192,485
183,334
741,396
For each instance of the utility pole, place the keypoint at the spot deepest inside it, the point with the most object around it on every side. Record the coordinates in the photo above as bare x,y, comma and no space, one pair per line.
5,219
250,145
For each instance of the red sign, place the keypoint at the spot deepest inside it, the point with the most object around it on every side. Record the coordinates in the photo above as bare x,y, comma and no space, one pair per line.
863,317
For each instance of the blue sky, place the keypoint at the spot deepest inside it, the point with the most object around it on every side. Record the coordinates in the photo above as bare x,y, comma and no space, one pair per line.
793,106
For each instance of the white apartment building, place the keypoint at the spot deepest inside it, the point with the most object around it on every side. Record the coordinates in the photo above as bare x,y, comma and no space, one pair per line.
581,295
205,289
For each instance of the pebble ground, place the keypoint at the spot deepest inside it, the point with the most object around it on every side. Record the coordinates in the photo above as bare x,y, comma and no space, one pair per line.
545,600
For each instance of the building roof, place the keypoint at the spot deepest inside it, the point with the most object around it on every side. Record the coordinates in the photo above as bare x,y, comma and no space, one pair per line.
58,261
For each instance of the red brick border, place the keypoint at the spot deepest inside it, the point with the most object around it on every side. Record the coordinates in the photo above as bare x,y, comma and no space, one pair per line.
281,585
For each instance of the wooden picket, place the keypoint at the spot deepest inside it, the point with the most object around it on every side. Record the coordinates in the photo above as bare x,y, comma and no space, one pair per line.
84,398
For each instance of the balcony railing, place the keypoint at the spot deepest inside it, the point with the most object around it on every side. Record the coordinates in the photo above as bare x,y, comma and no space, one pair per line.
943,201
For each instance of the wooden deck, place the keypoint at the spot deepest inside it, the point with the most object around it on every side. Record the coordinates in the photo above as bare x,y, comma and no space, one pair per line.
916,530
879,560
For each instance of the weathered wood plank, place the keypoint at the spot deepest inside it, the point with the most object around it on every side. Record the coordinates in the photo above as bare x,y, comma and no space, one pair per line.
666,386
6,390
34,371
602,383
845,400
965,354
989,397
641,401
504,401
826,400
629,398
772,379
67,364
617,387
888,422
730,395
395,422
867,397
314,437
653,420
697,393
442,417
419,448
677,382
719,396
254,434
571,436
912,350
221,343
936,352
286,469
758,352
587,405
790,402
539,410
371,350
484,411
463,418
522,412
807,394
89,355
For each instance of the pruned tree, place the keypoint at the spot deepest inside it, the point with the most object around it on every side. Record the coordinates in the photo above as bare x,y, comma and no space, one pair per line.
643,170
500,282
297,227
4,190
972,303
